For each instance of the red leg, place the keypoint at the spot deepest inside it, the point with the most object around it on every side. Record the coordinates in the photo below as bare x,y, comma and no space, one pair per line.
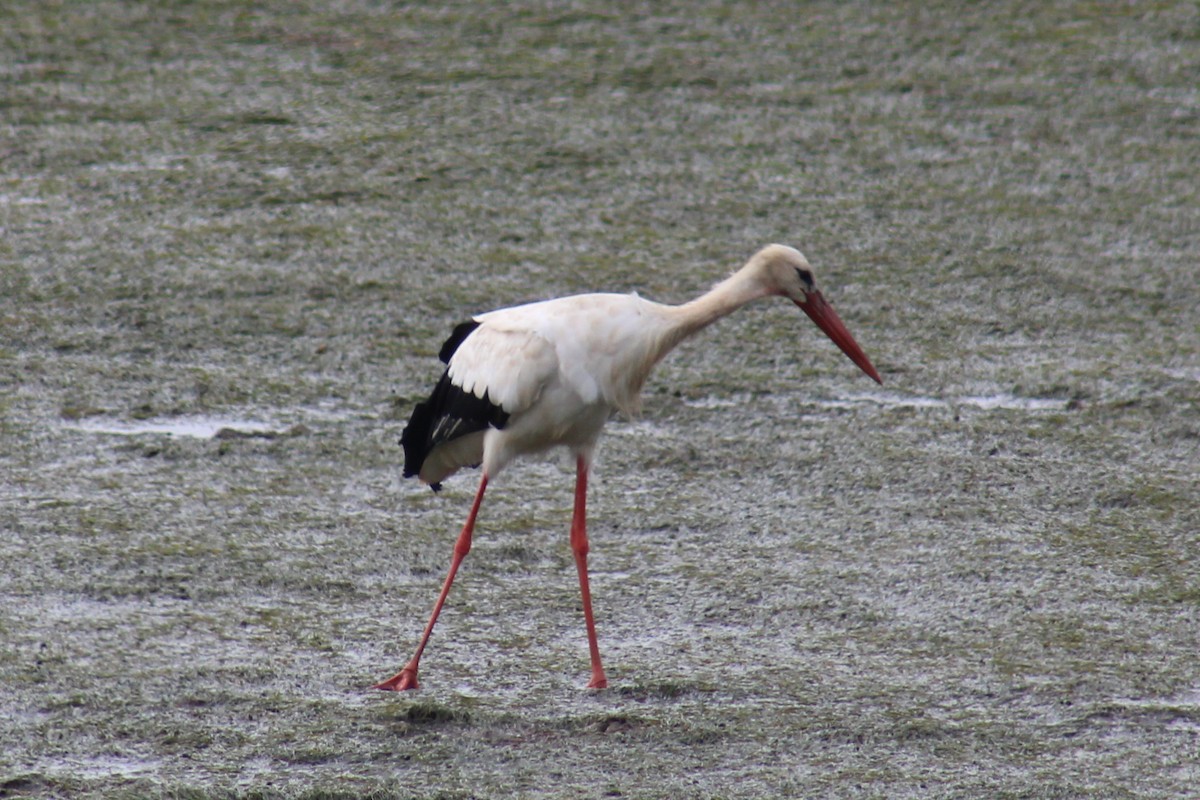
407,677
579,545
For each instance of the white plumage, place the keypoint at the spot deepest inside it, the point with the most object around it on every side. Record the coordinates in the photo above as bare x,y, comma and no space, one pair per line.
559,368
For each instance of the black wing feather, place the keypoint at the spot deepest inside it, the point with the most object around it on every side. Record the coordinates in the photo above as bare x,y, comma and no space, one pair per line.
448,413
461,331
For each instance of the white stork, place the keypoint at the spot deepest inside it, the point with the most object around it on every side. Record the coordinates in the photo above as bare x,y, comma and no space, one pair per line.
524,379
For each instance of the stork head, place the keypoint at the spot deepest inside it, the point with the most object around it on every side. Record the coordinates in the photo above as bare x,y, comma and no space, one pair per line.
787,272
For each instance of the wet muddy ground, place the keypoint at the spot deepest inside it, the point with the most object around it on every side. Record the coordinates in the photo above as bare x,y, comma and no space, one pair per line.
234,238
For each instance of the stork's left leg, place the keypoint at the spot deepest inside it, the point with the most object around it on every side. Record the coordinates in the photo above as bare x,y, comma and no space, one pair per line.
579,545
407,677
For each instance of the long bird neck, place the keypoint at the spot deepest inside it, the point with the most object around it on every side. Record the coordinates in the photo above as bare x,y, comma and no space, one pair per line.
680,322
728,296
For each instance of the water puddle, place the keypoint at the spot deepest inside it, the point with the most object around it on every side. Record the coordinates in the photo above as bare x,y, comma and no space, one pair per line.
1184,373
106,767
1011,402
1007,402
717,402
20,200
199,427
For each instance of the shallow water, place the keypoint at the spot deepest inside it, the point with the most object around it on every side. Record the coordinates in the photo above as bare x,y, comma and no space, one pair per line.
199,427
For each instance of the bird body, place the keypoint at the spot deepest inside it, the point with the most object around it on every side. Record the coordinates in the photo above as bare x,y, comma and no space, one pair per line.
558,369
528,378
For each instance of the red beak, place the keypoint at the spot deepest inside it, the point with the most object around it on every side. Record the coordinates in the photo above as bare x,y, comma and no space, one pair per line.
827,320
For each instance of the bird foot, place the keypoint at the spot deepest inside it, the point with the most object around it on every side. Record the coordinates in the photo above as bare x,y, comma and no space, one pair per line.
403,680
599,681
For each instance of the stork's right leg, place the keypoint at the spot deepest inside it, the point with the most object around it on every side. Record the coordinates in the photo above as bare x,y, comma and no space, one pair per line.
407,677
579,545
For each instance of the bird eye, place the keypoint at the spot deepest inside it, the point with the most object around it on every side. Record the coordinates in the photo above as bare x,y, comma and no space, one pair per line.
805,277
